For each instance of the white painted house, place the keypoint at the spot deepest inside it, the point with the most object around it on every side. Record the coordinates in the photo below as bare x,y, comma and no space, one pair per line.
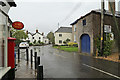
62,34
37,36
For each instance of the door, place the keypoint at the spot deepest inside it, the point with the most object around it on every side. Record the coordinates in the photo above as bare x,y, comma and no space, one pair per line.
85,43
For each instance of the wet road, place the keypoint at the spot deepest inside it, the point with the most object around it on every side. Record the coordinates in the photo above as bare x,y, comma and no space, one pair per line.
60,64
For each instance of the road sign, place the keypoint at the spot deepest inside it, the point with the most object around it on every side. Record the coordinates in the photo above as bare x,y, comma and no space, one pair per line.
107,28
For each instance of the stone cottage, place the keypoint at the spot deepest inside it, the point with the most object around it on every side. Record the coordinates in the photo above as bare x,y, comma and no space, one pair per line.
87,28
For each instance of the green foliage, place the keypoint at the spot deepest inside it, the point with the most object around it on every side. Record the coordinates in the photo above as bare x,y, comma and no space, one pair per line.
67,48
51,37
107,47
67,40
30,44
72,44
107,44
34,42
19,35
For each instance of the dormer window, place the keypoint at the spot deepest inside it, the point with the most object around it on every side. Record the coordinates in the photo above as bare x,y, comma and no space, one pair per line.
33,37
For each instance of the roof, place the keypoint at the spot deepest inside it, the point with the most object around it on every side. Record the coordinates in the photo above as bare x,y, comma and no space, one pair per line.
98,11
34,33
65,29
11,3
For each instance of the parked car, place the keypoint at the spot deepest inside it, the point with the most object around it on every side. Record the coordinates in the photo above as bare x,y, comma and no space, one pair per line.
23,45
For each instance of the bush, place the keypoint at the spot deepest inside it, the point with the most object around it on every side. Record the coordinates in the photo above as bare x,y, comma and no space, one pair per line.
107,45
30,44
41,43
72,44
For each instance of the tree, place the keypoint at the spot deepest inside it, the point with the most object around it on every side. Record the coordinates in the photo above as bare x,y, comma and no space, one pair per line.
19,35
51,37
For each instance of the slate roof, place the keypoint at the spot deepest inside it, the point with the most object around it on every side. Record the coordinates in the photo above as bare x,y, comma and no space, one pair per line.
64,29
98,11
11,3
34,33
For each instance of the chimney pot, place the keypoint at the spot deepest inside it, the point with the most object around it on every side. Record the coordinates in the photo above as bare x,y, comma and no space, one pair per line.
36,30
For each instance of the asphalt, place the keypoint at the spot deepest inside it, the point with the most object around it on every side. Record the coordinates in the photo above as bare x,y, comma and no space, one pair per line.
60,64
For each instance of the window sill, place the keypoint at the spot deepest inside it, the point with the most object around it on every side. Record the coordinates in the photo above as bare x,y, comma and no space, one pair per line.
3,71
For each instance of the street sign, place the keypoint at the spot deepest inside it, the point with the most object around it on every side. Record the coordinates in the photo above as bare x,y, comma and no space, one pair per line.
107,28
18,25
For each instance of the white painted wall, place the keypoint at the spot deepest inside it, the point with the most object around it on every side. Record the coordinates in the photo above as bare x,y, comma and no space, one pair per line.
4,32
63,38
30,38
36,37
46,41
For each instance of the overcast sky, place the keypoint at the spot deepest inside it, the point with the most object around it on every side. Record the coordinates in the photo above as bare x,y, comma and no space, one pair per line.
45,15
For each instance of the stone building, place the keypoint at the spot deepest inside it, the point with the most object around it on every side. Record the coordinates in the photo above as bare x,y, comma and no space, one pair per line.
62,34
87,28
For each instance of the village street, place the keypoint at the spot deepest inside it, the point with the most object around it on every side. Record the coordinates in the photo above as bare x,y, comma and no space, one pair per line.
60,64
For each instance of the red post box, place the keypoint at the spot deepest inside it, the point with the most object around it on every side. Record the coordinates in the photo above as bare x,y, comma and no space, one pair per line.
11,45
11,58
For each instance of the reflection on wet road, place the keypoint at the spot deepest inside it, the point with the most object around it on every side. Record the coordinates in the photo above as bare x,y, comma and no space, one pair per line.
60,64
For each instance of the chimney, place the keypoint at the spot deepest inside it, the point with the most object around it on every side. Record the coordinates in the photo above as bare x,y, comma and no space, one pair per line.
112,4
42,33
36,30
27,32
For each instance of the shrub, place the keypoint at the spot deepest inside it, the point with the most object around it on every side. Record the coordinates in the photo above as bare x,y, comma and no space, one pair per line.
30,44
107,45
72,44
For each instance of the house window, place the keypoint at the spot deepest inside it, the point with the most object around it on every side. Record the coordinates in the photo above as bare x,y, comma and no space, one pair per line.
84,22
74,38
33,37
39,37
75,28
60,41
60,35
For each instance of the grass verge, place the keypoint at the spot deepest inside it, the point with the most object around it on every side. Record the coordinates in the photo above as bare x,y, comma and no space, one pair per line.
67,48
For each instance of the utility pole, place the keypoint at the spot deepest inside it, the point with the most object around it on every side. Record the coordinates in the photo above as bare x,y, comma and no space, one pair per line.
58,25
102,27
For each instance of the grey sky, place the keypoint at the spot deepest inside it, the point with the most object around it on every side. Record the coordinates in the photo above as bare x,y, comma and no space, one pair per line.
45,15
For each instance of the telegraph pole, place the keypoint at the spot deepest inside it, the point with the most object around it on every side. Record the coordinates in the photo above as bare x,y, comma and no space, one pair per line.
102,27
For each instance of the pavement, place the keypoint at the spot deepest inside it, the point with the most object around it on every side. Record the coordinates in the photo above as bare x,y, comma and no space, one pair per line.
60,64
24,70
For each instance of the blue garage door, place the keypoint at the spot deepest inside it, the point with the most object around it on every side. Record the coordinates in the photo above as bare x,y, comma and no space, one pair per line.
85,43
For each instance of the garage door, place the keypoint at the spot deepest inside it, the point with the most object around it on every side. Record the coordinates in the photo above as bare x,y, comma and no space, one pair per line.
85,43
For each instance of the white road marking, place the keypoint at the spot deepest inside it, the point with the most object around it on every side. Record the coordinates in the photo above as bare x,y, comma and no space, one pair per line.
102,71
